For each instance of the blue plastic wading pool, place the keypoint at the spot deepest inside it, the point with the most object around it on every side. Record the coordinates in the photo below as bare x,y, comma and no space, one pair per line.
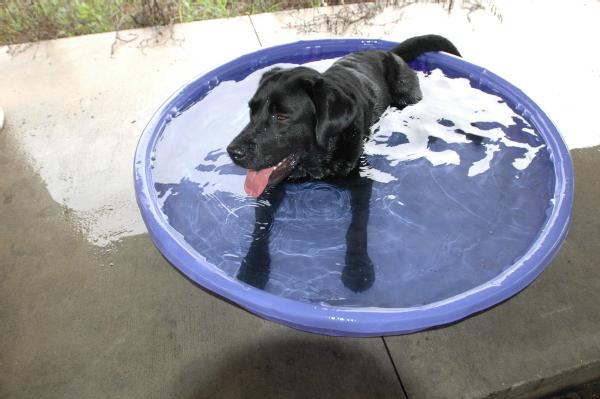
471,197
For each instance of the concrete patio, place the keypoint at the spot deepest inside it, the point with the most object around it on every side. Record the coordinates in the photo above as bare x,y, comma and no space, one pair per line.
90,309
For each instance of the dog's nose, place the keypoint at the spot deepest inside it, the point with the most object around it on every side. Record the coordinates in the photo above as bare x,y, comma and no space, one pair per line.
236,153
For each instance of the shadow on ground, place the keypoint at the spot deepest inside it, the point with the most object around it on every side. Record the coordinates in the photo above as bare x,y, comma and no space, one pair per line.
289,369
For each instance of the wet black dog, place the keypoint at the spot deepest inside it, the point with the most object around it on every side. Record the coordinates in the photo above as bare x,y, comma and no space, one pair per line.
310,125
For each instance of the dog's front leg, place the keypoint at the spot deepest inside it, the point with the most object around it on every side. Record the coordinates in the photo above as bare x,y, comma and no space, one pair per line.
358,274
256,265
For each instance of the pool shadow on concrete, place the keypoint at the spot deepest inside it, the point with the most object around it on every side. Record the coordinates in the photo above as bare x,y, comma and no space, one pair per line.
297,368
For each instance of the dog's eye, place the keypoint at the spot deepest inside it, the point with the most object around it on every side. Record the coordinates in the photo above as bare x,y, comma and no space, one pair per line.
281,117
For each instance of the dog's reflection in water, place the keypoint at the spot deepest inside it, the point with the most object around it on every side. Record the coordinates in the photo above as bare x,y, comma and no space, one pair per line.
357,275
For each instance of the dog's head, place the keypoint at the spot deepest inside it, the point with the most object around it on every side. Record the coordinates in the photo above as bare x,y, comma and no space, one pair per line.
295,116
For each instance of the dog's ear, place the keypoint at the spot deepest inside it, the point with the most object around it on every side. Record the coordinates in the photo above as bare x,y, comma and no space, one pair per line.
269,73
335,111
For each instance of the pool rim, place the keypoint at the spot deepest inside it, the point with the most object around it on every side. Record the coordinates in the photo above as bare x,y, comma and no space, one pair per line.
355,321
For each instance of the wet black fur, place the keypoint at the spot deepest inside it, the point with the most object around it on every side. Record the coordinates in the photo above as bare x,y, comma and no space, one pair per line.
324,119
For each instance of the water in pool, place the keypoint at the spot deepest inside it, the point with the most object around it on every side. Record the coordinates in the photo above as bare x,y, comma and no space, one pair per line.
460,187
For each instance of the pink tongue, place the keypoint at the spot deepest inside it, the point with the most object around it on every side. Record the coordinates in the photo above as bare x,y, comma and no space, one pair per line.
256,181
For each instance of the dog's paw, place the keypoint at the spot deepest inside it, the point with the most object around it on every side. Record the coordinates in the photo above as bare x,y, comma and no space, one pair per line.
255,268
358,274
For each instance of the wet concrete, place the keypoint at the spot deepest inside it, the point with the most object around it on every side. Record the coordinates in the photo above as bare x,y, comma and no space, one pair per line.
77,110
83,322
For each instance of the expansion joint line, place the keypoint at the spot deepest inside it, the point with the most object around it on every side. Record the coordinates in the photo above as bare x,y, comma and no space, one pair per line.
254,28
395,368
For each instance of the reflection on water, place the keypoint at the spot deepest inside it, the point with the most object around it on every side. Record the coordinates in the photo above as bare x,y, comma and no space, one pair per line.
453,191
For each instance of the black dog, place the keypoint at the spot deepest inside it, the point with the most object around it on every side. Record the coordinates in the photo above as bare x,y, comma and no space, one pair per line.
308,125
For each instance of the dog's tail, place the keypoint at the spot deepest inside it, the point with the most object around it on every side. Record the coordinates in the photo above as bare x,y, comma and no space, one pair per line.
411,48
